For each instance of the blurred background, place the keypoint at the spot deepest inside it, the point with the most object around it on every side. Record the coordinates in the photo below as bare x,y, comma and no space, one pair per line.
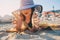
8,6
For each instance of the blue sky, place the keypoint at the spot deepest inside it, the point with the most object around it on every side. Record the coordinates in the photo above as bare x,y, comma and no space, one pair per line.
7,6
48,4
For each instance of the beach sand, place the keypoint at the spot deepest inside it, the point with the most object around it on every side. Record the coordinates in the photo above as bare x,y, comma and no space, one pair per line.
39,35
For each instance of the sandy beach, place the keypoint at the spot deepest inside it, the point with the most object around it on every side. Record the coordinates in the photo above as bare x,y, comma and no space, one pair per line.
39,35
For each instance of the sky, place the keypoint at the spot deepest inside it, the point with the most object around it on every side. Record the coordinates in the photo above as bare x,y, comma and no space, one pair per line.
8,6
48,4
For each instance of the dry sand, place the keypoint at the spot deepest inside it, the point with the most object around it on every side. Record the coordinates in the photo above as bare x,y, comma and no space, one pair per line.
39,35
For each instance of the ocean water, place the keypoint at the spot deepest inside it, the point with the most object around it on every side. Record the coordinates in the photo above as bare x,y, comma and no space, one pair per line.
39,35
